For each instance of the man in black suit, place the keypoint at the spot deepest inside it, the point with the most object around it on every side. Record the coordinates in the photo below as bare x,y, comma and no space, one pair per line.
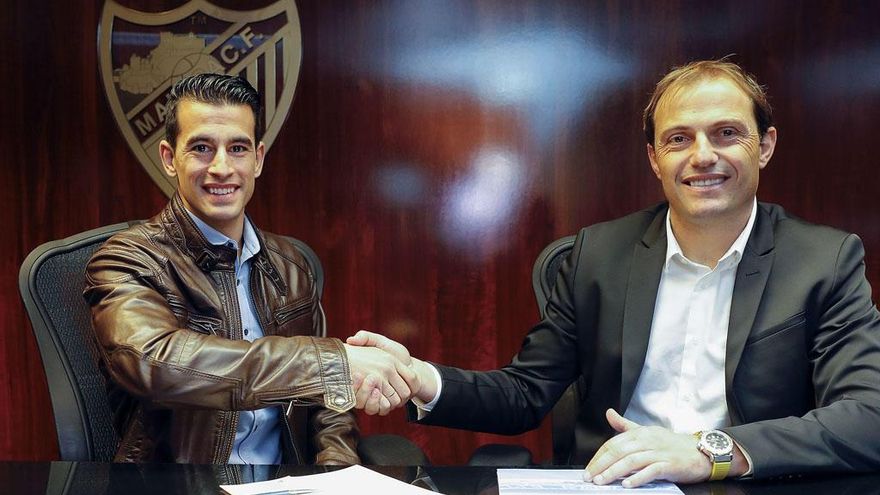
716,336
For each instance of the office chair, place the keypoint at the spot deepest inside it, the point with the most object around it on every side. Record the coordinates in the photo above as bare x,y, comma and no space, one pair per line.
564,413
51,281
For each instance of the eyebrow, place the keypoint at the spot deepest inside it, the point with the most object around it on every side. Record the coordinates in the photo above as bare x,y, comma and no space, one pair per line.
714,125
204,138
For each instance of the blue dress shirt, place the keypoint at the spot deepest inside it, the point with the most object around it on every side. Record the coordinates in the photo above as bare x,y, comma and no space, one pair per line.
258,437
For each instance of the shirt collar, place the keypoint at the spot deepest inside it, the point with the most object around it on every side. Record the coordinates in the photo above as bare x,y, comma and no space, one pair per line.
215,237
734,252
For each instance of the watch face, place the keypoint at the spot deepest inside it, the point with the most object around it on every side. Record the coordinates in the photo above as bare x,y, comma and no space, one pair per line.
716,442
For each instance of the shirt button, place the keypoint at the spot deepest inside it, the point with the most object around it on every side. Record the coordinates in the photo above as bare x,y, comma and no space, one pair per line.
238,282
246,331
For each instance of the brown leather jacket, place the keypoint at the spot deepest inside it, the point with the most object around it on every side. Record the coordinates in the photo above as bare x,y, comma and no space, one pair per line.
166,318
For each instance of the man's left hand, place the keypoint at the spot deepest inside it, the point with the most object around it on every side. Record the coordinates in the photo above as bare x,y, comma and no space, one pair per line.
641,454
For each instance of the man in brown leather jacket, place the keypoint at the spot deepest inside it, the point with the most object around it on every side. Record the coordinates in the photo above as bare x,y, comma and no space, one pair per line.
206,325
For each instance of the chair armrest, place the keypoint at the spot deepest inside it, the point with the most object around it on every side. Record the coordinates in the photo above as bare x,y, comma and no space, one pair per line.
390,450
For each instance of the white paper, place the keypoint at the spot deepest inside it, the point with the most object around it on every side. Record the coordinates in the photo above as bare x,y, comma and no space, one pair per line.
342,481
549,481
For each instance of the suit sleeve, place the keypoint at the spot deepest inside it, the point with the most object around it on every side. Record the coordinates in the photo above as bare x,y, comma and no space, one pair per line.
843,432
516,398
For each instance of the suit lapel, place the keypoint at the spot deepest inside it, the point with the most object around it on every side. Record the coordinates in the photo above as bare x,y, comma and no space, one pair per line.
748,289
641,294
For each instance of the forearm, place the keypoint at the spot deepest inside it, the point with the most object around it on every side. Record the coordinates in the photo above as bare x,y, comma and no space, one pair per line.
836,438
490,401
157,347
192,370
335,437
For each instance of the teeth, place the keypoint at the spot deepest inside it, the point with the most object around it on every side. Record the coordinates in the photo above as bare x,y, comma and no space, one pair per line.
706,183
221,190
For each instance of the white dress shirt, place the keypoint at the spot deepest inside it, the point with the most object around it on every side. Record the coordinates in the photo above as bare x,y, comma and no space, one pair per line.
681,386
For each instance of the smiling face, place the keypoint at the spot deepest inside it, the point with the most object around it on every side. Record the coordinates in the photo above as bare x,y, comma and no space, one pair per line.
707,152
216,162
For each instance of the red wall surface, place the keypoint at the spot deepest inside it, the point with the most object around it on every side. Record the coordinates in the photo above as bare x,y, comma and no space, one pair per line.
432,150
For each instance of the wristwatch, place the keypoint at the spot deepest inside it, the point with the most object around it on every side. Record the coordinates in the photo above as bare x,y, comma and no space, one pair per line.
719,447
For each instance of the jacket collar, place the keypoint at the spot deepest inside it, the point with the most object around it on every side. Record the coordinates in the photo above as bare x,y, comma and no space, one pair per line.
191,241
751,278
649,255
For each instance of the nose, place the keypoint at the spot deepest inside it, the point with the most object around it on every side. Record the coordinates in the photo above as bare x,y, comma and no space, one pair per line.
703,152
220,165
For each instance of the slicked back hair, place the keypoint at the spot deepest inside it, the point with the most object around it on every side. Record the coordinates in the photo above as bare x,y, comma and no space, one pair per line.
214,89
686,75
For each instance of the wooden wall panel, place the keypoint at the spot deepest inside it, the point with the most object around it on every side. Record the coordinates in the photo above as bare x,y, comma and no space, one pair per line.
432,150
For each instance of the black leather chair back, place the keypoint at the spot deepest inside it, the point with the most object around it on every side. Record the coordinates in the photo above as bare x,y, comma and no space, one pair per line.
565,411
546,268
51,281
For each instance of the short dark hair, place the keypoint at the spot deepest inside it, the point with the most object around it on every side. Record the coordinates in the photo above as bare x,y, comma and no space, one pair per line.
215,89
685,75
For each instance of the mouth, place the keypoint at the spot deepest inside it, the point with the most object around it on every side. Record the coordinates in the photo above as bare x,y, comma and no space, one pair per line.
704,182
221,191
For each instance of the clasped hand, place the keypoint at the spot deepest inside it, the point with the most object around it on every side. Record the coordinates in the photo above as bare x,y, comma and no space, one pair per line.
382,372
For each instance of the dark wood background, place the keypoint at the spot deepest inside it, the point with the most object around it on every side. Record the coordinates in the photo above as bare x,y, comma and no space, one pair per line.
433,149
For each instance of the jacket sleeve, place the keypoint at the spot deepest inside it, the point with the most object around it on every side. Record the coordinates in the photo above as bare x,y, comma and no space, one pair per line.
843,432
334,434
150,355
334,437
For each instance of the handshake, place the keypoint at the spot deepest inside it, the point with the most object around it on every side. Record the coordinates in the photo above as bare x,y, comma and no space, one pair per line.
384,375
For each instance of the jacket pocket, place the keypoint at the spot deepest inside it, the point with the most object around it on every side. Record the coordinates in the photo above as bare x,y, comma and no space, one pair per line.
178,307
293,310
792,322
204,324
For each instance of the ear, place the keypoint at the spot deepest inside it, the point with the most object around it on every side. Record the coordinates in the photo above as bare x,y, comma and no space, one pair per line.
166,152
652,157
768,144
261,153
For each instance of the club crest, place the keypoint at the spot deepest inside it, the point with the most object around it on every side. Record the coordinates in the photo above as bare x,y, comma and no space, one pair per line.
142,54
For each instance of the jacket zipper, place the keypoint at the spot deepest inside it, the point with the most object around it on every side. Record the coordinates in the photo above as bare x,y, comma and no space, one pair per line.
284,416
273,331
264,322
230,301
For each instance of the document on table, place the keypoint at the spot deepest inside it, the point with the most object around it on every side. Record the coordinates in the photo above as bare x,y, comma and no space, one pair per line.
344,481
549,481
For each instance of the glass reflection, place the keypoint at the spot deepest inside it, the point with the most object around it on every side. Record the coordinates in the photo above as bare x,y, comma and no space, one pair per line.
552,71
479,204
400,184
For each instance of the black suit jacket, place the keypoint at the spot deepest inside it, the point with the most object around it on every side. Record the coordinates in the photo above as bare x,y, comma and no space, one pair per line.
803,349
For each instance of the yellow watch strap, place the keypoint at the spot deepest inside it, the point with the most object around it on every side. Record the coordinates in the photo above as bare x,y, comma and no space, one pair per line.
719,470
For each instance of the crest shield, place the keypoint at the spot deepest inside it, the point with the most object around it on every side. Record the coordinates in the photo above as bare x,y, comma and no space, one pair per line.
143,54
